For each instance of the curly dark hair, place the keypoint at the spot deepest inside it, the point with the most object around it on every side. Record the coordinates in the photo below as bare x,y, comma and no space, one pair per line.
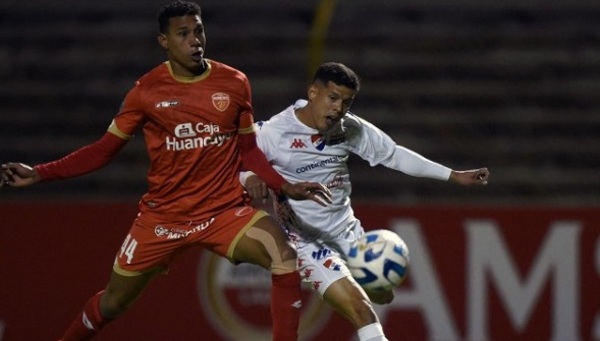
176,8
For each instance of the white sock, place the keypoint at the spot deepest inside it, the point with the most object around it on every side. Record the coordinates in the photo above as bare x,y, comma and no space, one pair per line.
372,332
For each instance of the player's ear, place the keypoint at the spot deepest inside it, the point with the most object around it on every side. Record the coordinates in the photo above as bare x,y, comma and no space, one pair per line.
162,41
312,92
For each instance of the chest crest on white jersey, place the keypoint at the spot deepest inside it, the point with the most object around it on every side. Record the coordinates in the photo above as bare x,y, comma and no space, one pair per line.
318,141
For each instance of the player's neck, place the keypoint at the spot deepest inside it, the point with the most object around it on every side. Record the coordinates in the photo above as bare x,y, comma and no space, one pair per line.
201,68
303,115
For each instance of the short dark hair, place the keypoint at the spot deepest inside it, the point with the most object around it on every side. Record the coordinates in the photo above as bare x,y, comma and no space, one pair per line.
176,8
338,73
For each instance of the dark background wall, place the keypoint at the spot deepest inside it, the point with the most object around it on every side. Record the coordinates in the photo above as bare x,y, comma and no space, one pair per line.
510,85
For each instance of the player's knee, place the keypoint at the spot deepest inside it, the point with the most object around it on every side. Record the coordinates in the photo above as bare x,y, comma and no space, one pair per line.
347,297
111,306
282,255
287,253
286,264
361,312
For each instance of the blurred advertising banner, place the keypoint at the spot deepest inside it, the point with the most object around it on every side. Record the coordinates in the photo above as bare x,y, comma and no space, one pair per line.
477,273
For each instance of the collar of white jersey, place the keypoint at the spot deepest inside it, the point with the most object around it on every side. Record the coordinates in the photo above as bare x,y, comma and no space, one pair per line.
301,103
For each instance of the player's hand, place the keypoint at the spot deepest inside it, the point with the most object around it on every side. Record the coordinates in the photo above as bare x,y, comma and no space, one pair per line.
18,175
308,190
471,177
256,188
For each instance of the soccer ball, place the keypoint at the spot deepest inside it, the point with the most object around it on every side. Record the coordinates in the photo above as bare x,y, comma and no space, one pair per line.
378,260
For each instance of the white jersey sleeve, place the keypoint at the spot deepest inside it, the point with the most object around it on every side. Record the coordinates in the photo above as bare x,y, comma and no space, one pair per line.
376,147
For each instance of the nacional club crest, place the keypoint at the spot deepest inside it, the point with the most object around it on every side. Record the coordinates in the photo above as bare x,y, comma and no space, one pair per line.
220,101
318,141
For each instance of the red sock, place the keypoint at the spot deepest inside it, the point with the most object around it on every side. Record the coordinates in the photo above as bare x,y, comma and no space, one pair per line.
88,322
286,301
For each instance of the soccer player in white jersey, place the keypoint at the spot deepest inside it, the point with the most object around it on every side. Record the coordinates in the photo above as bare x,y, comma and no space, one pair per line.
311,140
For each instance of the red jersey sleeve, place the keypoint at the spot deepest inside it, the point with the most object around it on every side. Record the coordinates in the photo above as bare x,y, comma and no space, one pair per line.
98,154
84,160
254,160
131,115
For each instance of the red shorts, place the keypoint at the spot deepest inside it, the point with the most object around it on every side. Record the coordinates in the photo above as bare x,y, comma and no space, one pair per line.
152,242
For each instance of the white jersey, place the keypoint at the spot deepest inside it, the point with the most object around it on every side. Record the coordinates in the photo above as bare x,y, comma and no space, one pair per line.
300,153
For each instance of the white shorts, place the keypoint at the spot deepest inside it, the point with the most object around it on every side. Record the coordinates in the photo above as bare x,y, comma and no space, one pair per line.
321,263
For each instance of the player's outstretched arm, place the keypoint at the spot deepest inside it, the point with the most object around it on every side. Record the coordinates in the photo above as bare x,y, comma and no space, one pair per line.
18,175
471,177
82,161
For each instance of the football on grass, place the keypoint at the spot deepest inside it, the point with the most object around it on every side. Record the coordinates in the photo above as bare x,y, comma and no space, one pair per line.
379,260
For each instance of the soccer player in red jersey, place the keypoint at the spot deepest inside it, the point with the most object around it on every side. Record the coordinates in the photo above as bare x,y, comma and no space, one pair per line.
196,116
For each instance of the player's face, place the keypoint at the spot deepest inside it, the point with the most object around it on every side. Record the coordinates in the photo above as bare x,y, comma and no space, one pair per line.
329,103
185,42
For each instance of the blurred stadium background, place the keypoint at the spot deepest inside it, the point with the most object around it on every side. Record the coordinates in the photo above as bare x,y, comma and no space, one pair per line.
510,85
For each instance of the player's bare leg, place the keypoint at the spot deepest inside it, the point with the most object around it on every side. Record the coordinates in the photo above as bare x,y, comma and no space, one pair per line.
120,293
349,299
266,245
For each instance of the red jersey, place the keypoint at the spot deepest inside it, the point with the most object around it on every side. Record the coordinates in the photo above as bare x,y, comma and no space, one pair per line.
190,126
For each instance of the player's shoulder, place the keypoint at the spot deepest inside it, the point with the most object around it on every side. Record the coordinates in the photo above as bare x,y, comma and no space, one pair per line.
228,71
356,127
221,67
153,76
351,119
352,122
282,121
271,127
